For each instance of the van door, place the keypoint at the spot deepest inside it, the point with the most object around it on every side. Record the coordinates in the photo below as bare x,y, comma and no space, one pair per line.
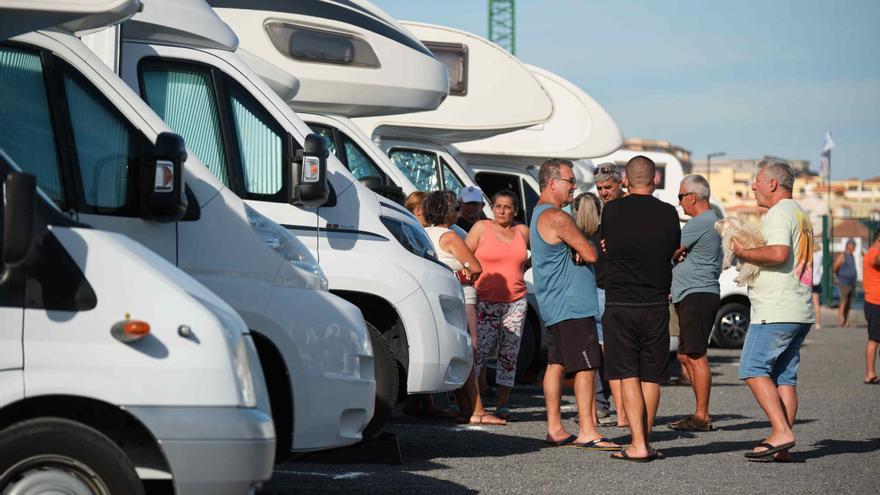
11,321
56,125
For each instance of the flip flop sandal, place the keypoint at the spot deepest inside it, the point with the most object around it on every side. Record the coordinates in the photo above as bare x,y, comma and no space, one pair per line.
770,450
504,413
561,443
623,456
872,381
594,445
690,424
481,422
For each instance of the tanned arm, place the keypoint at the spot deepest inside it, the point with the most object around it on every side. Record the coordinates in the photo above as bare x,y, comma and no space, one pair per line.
451,242
568,232
761,256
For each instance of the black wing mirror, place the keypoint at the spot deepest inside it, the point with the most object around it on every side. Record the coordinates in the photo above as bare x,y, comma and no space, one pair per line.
309,174
20,192
160,185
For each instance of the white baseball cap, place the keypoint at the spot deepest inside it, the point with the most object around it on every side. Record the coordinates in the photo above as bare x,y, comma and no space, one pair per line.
471,194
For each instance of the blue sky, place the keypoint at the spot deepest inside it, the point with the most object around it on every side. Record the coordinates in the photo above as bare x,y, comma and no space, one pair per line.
747,77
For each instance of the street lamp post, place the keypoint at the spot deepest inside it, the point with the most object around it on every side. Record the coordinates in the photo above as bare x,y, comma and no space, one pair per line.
709,165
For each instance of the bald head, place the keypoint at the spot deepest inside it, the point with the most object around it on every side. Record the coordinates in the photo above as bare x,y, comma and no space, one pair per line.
640,171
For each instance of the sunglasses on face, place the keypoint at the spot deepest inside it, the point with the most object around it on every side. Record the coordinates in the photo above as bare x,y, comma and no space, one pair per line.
682,196
570,181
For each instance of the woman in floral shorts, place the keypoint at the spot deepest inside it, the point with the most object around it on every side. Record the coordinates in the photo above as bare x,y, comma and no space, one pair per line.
501,247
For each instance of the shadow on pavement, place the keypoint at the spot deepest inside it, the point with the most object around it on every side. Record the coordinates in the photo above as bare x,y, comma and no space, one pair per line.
302,481
829,446
419,451
759,424
709,448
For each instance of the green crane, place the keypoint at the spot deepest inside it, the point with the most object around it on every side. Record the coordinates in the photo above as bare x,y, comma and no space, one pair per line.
502,24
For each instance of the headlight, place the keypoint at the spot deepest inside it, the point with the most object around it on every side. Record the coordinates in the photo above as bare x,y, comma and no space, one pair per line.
415,240
243,374
287,246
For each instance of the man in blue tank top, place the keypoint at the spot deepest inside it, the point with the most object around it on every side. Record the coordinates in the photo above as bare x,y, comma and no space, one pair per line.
568,304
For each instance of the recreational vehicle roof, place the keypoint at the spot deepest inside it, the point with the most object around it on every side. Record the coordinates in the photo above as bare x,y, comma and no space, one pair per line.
189,23
579,128
350,58
487,85
22,16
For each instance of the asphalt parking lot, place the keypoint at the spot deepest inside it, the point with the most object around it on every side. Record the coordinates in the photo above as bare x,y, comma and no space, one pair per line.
838,445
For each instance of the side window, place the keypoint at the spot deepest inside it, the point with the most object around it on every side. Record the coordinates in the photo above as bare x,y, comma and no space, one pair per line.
183,96
358,162
327,134
26,132
420,167
104,144
260,142
450,181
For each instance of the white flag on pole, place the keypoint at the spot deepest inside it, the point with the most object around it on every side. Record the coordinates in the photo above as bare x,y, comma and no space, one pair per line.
829,143
825,157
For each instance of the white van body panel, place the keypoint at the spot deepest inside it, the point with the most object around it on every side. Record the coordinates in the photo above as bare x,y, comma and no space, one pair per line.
22,16
249,283
407,80
492,105
579,128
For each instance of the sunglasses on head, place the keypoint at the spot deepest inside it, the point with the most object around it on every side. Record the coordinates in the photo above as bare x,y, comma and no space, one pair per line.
606,170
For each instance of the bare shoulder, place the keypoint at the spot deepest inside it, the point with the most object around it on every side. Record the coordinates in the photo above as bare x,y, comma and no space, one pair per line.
523,230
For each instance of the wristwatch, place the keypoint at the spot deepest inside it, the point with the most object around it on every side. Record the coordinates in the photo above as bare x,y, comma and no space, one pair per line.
466,265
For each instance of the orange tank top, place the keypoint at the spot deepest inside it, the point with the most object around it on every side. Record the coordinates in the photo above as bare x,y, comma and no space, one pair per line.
870,276
503,267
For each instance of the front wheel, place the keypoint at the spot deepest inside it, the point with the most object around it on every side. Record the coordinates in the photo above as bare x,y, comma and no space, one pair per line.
386,381
56,455
731,325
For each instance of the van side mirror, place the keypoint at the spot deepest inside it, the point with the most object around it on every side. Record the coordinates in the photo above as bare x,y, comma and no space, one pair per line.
375,184
160,184
19,196
309,173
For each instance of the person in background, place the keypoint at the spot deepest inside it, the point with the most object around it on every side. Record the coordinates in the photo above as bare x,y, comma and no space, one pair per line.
586,210
818,270
782,307
471,206
501,246
871,284
640,234
413,203
695,294
439,208
845,268
566,293
609,186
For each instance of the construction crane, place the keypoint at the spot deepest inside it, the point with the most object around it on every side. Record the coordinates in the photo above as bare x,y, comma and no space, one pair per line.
502,24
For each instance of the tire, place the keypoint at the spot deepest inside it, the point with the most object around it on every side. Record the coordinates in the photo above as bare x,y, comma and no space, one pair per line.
45,453
385,371
731,325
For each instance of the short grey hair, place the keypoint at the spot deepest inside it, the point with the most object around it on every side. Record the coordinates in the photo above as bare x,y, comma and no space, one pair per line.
602,174
550,170
698,185
780,170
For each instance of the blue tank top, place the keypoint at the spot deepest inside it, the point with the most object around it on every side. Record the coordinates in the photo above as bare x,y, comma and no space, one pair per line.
565,291
847,274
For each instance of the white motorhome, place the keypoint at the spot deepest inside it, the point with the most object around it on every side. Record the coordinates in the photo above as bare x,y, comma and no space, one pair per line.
66,118
349,61
182,59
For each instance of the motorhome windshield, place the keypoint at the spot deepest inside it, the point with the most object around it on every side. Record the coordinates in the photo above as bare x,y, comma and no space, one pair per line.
426,170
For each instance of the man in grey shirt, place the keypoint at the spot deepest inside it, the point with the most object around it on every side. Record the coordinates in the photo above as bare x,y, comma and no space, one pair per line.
695,294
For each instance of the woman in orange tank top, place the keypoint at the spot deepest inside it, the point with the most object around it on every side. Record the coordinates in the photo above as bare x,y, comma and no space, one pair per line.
501,247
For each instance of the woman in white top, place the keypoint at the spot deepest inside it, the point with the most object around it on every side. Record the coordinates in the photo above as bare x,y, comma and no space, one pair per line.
440,209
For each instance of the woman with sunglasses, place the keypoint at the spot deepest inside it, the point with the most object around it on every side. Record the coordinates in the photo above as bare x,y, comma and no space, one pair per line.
501,246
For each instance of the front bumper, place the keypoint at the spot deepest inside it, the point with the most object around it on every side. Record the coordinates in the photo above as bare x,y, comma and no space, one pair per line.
444,357
213,450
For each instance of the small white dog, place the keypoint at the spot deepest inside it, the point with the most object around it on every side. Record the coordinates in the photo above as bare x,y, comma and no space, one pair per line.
749,237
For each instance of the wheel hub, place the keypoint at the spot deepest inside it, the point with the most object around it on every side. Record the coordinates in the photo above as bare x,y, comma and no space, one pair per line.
51,475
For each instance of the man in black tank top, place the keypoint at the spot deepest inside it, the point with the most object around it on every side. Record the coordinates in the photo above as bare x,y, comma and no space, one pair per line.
640,234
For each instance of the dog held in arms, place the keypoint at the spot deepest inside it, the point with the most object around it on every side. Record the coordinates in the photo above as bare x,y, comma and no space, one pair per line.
749,237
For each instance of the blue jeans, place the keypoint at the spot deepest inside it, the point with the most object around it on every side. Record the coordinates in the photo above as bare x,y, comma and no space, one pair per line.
773,350
601,296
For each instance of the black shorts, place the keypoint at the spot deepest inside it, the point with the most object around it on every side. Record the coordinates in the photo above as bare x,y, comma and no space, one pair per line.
872,314
696,315
575,345
817,289
636,342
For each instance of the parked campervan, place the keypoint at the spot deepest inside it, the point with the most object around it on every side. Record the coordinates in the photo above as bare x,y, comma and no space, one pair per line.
348,61
182,59
87,137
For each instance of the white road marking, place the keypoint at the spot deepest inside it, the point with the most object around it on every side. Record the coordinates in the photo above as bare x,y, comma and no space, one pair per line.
337,476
